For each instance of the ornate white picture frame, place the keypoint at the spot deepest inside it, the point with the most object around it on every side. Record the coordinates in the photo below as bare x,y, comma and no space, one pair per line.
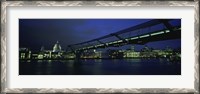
52,4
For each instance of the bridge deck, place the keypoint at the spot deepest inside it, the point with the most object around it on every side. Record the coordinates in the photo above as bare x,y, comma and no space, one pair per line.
172,32
140,39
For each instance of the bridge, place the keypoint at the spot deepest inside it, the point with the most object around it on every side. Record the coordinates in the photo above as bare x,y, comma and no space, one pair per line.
166,31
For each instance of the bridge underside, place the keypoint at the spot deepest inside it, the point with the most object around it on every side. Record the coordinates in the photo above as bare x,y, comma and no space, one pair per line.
141,40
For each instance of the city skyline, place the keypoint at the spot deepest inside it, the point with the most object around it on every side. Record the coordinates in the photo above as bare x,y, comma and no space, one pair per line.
99,46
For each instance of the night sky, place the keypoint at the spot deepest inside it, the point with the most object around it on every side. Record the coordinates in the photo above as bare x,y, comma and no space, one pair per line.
34,33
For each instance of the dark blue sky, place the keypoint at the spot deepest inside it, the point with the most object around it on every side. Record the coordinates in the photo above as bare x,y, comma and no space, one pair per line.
34,33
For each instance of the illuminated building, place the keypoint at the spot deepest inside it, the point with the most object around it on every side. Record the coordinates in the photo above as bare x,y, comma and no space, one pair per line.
115,54
34,55
24,53
131,53
69,55
51,54
146,52
97,54
57,47
56,53
91,54
40,56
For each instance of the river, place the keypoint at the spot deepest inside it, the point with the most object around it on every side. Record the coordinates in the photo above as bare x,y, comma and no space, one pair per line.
152,66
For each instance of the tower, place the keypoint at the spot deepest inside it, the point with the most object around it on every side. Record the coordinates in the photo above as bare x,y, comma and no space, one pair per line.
42,49
57,47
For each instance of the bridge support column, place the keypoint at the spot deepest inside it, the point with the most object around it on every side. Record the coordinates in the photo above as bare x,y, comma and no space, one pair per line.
78,54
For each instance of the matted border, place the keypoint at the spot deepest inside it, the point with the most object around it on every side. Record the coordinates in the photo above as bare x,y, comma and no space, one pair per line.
5,4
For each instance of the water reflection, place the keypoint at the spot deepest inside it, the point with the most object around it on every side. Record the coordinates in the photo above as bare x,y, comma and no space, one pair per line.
98,60
133,60
38,68
40,61
100,67
49,61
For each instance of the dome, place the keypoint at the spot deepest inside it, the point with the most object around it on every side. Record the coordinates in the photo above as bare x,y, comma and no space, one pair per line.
57,47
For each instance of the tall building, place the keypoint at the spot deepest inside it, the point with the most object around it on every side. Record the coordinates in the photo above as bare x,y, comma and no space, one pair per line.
42,49
57,47
24,53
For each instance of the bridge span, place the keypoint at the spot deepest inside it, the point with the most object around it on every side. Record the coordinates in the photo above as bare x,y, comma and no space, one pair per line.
167,32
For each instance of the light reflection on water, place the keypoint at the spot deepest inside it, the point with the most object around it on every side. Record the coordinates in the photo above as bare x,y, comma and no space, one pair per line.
98,60
100,67
49,60
133,60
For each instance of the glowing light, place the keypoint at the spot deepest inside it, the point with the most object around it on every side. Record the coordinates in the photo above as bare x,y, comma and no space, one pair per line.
110,43
98,45
157,33
134,38
120,41
90,47
144,36
101,44
114,42
167,31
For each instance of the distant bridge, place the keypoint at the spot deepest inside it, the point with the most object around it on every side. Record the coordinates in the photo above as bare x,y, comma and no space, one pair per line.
168,32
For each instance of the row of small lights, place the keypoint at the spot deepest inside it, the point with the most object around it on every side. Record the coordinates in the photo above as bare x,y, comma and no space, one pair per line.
133,38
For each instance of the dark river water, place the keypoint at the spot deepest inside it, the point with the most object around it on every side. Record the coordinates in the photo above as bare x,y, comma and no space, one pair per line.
100,67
